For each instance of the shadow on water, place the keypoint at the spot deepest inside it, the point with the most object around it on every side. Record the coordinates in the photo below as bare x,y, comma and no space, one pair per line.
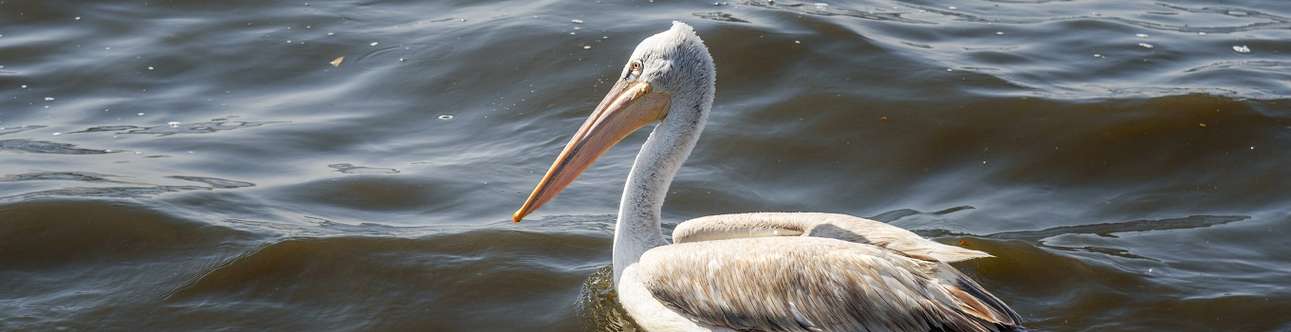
1110,229
1037,237
1104,230
598,304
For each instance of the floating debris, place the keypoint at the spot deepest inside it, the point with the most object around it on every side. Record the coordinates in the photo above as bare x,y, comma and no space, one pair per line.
1201,33
587,47
797,42
151,68
403,60
952,8
139,114
1241,49
1203,125
24,86
331,33
173,124
1096,55
1145,45
56,133
445,117
1141,35
576,21
49,98
374,44
337,62
78,18
999,33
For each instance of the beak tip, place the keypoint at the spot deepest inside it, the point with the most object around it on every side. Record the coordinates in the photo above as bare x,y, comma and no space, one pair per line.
515,217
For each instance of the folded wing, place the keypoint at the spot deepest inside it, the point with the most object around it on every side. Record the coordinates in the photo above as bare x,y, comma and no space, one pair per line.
825,225
816,284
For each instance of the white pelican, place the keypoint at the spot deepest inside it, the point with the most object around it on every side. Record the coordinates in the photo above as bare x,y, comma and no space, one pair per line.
756,271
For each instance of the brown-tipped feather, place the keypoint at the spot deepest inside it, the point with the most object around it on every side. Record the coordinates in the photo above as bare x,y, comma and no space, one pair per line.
815,284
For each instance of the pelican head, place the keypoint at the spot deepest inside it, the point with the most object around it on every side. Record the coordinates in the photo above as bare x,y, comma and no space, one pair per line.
669,78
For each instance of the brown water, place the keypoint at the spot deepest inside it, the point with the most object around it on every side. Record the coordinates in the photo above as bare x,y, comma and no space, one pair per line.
199,165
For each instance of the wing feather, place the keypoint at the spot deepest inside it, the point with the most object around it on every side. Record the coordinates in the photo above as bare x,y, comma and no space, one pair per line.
825,225
816,284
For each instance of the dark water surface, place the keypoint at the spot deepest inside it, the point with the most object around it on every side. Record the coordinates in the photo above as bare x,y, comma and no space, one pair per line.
199,165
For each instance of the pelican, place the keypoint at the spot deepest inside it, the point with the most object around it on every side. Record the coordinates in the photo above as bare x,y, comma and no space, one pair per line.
754,271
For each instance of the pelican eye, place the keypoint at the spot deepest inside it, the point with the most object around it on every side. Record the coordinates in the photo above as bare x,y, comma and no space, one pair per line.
634,70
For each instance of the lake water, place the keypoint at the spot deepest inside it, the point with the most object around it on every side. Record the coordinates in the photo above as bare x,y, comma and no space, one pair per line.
209,165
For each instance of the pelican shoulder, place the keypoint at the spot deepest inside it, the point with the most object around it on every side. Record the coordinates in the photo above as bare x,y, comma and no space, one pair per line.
824,225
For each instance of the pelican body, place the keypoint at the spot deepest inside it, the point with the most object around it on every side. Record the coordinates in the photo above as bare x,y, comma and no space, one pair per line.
755,271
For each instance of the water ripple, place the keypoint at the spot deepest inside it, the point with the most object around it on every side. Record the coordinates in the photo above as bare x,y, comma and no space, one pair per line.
1119,187
47,147
175,128
352,169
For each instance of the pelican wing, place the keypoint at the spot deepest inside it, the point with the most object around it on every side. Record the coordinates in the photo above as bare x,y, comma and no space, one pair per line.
826,225
815,284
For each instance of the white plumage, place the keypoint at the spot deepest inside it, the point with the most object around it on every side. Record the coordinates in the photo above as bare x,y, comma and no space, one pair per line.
756,271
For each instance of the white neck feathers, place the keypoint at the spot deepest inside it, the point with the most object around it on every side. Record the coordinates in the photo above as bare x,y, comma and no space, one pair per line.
677,62
640,210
